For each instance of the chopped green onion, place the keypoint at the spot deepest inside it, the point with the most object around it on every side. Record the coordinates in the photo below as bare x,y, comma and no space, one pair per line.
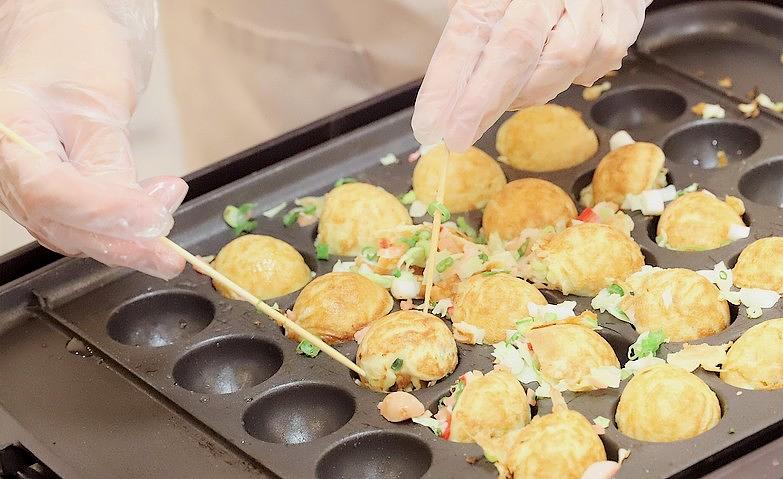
308,349
463,226
445,215
480,239
411,241
522,251
322,252
494,272
239,218
397,364
483,257
646,345
291,217
490,457
343,181
408,198
370,253
309,209
723,275
444,264
396,272
615,289
425,234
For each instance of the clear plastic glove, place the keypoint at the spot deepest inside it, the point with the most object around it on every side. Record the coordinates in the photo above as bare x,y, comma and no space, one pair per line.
499,55
70,74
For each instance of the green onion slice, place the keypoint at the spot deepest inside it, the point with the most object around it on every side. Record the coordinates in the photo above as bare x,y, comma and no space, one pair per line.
445,215
408,198
397,364
444,264
343,181
370,253
464,226
615,289
308,349
322,252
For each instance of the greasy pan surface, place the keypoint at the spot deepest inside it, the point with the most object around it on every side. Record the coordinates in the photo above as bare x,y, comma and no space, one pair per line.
233,371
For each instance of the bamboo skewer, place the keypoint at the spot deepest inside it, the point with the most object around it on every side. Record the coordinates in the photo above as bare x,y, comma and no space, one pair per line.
276,315
429,269
204,267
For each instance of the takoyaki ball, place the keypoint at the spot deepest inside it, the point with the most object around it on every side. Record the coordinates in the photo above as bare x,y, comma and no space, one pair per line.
472,178
760,265
406,349
494,303
262,265
630,169
585,258
337,305
569,352
545,138
699,221
664,403
526,203
491,406
560,445
353,216
681,302
755,361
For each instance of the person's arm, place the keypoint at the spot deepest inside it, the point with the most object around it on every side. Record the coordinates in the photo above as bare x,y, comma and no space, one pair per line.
70,75
499,55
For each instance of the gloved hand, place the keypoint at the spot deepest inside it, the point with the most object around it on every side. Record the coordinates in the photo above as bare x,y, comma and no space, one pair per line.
498,55
70,73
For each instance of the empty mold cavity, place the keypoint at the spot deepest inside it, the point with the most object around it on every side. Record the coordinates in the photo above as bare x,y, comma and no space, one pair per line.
638,107
763,183
226,365
299,413
376,455
698,144
160,318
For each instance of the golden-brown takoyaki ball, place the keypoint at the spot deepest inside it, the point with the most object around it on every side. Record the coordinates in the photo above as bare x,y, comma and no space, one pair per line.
491,405
494,303
630,169
760,265
587,257
755,361
526,203
681,302
560,445
472,178
262,265
422,342
545,138
569,352
337,305
698,221
353,216
664,403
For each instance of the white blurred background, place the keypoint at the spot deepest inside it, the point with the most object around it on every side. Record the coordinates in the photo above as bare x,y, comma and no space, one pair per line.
155,138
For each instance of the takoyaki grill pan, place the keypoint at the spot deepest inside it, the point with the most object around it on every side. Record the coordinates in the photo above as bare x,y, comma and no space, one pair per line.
186,346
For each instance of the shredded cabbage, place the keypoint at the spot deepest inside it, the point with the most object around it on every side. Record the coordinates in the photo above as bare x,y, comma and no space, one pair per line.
389,159
609,302
551,312
417,209
601,421
430,422
646,345
272,212
620,139
442,307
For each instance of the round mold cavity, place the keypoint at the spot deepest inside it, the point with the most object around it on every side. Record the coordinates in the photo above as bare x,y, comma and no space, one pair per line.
299,413
376,455
697,144
160,318
637,108
762,184
226,365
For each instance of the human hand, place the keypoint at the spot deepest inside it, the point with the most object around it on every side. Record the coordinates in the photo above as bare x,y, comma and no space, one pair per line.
70,73
499,55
